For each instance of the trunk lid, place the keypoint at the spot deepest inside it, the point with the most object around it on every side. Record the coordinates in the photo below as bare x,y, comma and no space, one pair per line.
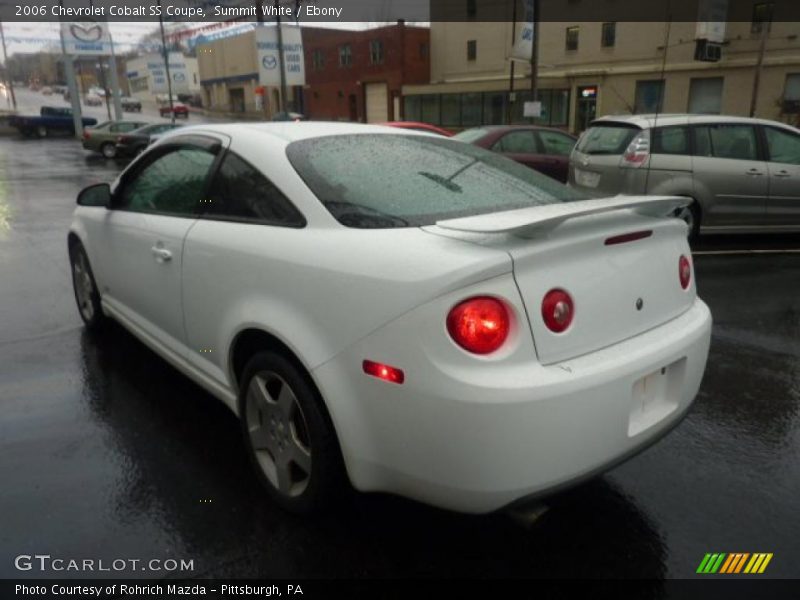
620,287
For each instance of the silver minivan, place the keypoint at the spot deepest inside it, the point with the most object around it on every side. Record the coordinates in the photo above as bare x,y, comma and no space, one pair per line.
744,174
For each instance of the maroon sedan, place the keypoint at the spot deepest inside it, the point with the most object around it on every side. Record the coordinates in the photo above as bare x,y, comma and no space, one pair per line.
416,126
546,150
181,110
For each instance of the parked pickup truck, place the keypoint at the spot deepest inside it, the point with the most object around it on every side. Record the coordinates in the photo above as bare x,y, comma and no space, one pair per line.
51,119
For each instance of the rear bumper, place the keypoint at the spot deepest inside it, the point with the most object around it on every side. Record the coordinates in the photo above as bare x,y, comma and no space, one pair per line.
526,431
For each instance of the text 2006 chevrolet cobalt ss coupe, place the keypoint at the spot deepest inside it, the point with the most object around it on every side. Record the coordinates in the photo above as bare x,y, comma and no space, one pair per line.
408,313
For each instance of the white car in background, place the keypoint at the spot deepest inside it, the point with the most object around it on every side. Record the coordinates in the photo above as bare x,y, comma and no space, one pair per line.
410,313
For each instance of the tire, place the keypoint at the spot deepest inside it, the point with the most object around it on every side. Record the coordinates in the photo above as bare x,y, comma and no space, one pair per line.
108,150
289,437
83,285
42,131
692,216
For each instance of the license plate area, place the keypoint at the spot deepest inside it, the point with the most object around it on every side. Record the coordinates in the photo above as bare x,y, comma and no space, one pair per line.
655,396
587,178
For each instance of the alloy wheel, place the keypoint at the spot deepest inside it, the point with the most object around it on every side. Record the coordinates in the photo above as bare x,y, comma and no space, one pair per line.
84,288
278,433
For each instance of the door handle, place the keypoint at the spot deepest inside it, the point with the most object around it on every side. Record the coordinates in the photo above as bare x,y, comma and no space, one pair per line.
754,173
162,254
781,174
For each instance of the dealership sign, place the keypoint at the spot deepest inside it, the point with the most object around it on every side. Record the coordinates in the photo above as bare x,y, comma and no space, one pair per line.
177,71
86,37
269,71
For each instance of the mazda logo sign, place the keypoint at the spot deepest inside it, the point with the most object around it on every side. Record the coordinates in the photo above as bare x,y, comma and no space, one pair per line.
269,62
179,77
91,32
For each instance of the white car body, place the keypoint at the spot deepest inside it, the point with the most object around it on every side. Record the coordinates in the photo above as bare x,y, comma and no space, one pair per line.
465,432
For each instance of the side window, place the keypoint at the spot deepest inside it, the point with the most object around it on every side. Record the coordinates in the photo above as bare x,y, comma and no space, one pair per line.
520,142
122,127
171,184
670,140
784,147
726,141
240,191
556,143
702,141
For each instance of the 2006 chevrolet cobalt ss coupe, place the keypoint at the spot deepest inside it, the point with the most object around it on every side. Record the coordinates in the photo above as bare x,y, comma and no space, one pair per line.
413,314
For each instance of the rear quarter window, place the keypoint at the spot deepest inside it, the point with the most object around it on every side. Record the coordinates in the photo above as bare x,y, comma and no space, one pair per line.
607,139
671,140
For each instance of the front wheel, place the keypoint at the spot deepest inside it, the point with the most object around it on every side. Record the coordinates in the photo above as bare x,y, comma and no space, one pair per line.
289,438
86,295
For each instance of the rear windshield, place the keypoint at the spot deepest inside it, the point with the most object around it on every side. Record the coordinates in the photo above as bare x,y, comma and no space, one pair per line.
384,180
470,135
606,139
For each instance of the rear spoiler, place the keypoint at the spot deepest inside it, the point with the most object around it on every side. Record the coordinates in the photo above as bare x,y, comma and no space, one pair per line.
550,215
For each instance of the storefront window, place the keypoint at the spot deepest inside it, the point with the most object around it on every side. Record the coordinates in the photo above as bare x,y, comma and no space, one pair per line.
451,110
412,109
430,109
494,108
471,109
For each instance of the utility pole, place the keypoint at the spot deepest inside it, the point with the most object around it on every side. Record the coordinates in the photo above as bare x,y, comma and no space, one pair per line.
9,81
535,51
165,52
281,65
765,27
510,106
114,76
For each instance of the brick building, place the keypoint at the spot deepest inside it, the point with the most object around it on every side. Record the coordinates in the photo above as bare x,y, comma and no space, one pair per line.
358,75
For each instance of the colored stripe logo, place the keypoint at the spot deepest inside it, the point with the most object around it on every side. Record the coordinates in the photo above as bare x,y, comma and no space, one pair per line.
734,563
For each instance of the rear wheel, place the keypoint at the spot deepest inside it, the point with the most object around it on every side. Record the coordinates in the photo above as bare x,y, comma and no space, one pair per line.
86,295
290,440
108,150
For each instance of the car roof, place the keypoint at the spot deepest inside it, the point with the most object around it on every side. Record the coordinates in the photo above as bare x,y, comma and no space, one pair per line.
647,121
292,131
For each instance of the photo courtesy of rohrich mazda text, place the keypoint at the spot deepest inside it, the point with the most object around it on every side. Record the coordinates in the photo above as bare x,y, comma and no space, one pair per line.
299,298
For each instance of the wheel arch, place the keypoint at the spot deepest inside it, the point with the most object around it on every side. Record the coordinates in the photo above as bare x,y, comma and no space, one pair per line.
253,340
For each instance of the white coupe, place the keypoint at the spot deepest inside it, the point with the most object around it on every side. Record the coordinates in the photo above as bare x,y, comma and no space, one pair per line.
408,313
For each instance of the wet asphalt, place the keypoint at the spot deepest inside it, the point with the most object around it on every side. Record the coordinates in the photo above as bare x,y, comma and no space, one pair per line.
107,452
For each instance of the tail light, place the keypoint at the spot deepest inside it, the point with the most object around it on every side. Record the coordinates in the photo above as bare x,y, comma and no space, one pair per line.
638,150
86,134
479,325
121,139
684,272
557,310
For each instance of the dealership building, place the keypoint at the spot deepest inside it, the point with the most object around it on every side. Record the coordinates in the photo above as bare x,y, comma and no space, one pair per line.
147,75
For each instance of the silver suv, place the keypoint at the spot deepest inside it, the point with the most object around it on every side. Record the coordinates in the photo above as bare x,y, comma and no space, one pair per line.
744,174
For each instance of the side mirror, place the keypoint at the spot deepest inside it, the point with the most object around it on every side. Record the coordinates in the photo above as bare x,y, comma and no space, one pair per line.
95,195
